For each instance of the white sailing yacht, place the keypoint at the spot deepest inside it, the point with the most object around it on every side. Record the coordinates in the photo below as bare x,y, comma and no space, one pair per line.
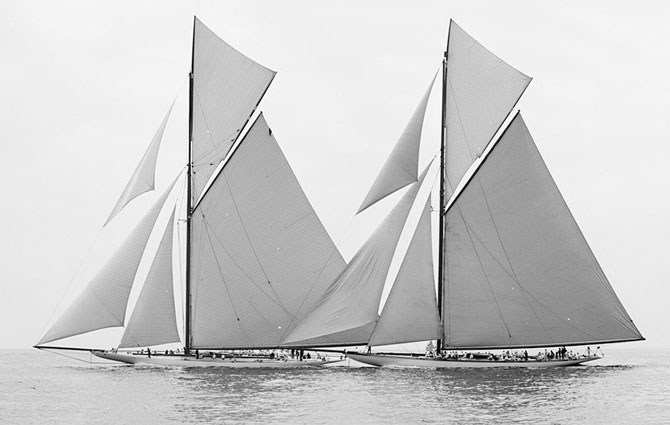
515,272
257,256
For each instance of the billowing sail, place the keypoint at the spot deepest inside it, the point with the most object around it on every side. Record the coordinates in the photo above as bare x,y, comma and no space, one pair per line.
410,313
348,312
260,257
519,272
481,92
143,178
227,87
401,167
103,302
153,321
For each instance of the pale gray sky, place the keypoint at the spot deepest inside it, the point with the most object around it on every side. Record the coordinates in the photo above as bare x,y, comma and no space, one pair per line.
85,84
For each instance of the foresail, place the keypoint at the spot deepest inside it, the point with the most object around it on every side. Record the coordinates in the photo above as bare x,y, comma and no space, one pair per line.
481,92
153,321
227,87
102,304
347,314
410,313
519,271
143,178
260,257
401,167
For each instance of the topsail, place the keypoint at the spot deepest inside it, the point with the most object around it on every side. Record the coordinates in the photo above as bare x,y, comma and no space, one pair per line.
481,91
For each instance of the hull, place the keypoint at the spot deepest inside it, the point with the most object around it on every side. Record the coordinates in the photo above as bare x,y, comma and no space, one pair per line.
406,361
182,361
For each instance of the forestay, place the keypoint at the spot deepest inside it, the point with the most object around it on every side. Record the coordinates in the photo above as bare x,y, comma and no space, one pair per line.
518,263
260,257
227,87
102,303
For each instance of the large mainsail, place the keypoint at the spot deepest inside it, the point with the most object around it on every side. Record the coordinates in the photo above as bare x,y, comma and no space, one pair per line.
260,257
102,304
153,321
481,91
227,87
518,263
347,313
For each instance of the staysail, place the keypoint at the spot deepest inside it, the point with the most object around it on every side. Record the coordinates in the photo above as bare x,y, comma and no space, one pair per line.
402,166
481,92
227,87
143,177
153,321
260,257
410,313
347,314
102,304
517,261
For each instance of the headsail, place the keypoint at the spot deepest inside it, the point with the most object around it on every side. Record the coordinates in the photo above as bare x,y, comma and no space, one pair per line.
260,256
410,313
481,92
143,177
348,312
103,302
402,166
517,261
227,87
153,321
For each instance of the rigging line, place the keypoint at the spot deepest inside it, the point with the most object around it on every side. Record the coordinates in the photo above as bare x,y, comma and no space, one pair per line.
465,136
509,261
69,285
246,234
481,265
181,253
519,283
240,268
326,263
194,294
267,322
230,298
209,133
72,357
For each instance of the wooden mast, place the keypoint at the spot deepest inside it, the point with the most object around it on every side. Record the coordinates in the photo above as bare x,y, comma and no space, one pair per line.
442,231
189,209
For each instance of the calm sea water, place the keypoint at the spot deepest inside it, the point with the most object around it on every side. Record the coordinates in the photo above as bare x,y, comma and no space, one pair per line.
629,386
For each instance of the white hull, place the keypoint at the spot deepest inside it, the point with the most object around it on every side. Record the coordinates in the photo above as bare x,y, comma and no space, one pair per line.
406,361
182,361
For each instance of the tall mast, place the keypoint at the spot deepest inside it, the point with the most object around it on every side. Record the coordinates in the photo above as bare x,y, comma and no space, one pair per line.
187,298
441,237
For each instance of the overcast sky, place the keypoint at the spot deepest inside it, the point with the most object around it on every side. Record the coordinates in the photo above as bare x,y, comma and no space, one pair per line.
85,84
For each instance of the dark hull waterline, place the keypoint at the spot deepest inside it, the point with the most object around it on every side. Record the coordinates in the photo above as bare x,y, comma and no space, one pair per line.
184,361
429,362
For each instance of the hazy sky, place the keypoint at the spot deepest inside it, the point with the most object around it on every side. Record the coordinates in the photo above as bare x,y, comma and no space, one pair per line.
85,84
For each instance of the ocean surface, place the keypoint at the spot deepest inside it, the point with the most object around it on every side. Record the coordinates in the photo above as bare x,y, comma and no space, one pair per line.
628,386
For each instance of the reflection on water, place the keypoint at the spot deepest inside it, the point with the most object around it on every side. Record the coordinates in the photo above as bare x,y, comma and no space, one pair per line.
333,395
37,386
